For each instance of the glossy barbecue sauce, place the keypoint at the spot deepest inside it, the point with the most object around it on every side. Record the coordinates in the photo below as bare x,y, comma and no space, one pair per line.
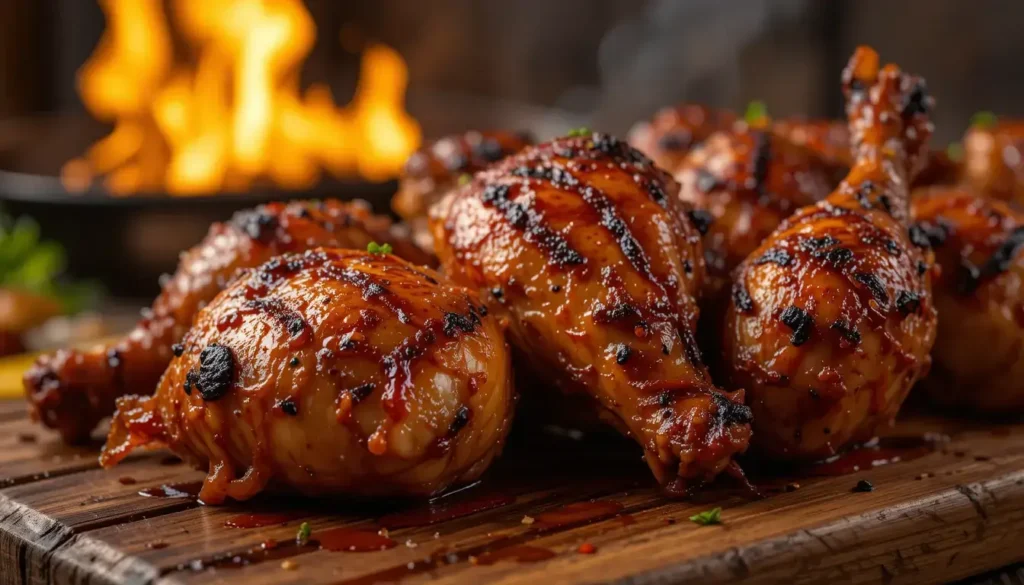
188,490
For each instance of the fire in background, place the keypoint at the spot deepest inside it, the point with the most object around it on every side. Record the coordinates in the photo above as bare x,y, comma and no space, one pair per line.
204,98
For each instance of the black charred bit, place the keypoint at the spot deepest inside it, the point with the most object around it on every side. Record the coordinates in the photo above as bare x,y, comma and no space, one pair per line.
874,285
706,181
908,302
455,322
864,486
846,330
622,353
775,256
296,325
701,220
729,412
359,393
800,321
762,160
289,407
256,224
812,244
177,349
216,372
460,421
741,298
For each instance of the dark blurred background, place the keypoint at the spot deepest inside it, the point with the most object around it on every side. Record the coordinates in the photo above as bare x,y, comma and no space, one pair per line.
613,61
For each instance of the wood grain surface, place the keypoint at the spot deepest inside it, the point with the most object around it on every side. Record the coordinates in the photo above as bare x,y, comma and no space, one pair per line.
954,512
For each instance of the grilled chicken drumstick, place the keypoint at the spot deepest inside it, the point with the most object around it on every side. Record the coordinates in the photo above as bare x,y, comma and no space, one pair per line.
71,391
335,372
583,246
748,180
831,319
437,168
979,350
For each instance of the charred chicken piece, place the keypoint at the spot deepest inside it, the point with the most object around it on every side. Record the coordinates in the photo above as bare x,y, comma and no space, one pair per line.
746,182
71,391
436,169
331,372
582,244
831,319
979,350
675,130
994,159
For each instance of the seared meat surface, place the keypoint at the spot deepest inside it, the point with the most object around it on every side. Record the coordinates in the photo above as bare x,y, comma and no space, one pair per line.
437,168
331,371
831,319
979,350
71,391
583,246
676,130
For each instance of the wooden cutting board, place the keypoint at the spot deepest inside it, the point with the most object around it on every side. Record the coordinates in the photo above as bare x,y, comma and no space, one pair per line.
952,508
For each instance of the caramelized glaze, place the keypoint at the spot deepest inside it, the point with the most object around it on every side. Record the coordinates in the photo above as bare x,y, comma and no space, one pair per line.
676,130
831,319
395,381
71,391
583,246
979,350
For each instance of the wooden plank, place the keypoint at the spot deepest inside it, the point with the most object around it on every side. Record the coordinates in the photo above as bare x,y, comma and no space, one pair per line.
950,514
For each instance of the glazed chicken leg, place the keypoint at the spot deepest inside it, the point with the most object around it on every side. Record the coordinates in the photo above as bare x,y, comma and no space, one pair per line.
435,169
583,246
335,372
979,350
994,159
831,320
71,391
676,130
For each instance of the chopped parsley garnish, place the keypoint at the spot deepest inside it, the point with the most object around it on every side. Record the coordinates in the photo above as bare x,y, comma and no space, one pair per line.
464,178
984,119
302,537
756,114
581,131
955,152
375,248
708,517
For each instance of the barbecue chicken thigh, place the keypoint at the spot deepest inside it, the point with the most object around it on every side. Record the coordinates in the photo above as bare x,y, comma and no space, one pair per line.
582,245
979,350
438,167
71,391
748,180
994,159
831,319
675,130
331,372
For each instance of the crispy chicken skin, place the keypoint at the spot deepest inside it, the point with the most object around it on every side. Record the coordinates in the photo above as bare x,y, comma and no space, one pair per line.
582,244
748,180
979,350
71,391
831,319
675,130
331,372
994,159
436,169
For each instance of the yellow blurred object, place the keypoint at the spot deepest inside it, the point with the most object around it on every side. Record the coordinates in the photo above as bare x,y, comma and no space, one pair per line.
21,310
235,113
11,370
13,367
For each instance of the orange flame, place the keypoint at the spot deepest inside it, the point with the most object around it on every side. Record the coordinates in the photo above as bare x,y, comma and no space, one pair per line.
236,115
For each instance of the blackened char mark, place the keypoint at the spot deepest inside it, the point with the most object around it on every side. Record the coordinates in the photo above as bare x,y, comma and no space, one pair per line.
775,256
762,158
875,286
216,372
800,321
729,412
526,220
741,298
370,289
701,219
970,276
258,224
846,330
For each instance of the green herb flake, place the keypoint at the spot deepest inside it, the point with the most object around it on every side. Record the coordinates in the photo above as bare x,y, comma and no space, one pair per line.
955,152
984,119
375,248
581,131
464,179
757,112
708,517
302,537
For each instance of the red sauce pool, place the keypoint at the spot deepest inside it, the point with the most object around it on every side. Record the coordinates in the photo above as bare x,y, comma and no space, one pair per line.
258,520
174,490
126,480
579,512
883,452
349,540
442,512
521,554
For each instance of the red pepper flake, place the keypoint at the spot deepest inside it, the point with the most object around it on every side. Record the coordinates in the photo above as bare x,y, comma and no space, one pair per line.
587,549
